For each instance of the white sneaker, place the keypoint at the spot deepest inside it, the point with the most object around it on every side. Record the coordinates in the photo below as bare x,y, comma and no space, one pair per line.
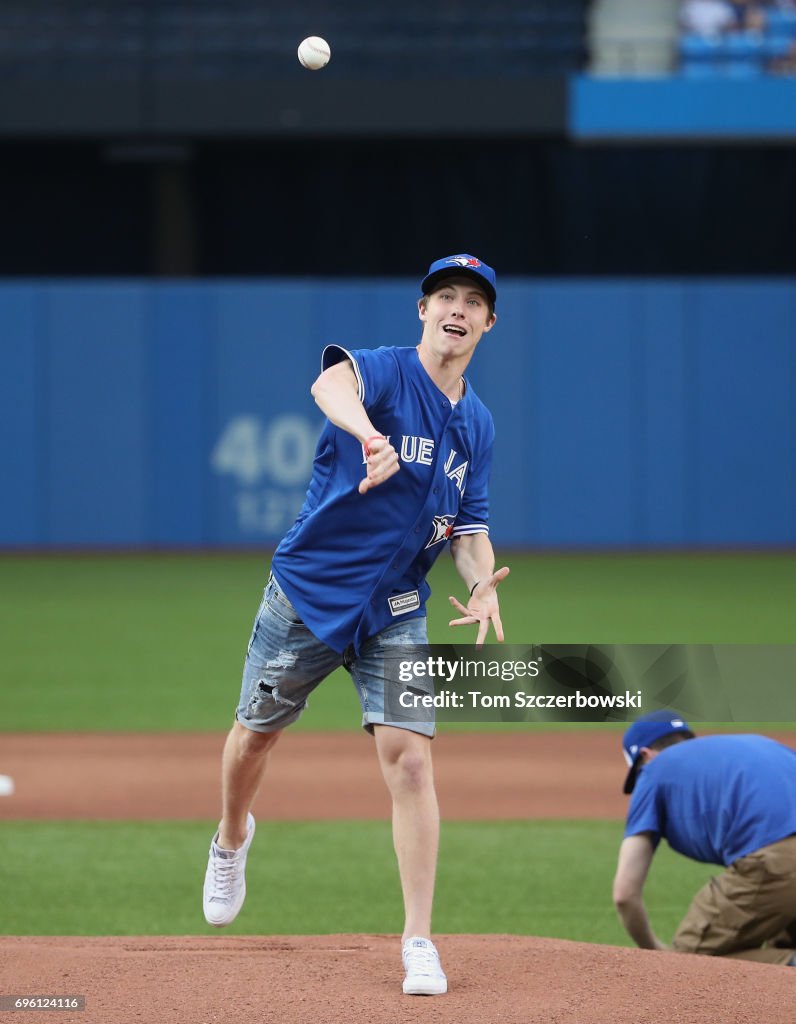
424,975
225,880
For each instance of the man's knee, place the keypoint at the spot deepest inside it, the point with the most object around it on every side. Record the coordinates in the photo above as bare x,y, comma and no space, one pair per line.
406,760
250,743
413,770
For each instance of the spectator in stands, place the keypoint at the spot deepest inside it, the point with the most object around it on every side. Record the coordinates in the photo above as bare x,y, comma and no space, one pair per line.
707,17
739,36
750,15
718,17
784,33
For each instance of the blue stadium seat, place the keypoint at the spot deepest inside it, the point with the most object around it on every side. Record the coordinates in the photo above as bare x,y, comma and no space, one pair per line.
699,55
776,47
739,55
743,55
781,23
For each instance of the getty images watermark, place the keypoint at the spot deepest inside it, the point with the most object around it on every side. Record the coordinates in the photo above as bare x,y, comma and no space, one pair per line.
439,668
589,682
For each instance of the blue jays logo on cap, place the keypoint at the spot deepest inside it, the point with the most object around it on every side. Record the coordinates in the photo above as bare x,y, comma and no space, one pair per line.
464,261
456,266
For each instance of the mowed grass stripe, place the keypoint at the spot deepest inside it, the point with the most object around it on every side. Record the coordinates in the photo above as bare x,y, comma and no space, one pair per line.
145,878
156,642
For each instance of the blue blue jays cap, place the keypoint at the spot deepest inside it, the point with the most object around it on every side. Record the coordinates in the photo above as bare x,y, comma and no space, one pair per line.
462,265
642,733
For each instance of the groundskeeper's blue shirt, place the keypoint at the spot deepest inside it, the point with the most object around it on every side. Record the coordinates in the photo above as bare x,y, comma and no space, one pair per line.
353,564
717,798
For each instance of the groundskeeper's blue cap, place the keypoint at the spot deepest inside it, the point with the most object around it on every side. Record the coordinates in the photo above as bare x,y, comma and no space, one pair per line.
462,265
644,732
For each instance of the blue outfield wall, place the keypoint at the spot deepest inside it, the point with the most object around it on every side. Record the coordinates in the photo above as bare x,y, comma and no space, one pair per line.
658,413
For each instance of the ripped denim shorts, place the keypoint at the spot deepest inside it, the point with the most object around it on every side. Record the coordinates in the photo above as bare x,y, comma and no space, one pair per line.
285,662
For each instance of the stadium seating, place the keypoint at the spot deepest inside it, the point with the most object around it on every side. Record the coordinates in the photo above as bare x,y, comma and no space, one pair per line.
165,39
740,54
781,24
629,38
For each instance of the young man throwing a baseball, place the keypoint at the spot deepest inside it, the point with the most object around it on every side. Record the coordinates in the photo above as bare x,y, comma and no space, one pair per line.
402,466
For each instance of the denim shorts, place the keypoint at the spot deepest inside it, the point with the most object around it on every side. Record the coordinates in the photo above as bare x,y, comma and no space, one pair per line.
285,662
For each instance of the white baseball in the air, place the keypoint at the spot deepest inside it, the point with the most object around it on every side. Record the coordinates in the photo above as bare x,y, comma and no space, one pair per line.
314,53
6,785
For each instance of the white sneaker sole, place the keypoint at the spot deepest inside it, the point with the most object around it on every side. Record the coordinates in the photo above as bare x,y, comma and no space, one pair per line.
425,987
229,917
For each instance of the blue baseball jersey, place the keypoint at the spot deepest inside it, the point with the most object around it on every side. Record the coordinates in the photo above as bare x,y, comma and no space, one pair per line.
717,798
353,564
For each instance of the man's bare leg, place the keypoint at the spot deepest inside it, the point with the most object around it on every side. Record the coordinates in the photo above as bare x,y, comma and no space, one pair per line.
243,766
405,759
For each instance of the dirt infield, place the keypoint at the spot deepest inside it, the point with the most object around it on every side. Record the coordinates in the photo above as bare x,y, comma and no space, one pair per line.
353,978
312,776
357,978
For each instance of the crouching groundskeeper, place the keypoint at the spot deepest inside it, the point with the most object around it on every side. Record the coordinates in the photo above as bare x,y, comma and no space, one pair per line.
728,800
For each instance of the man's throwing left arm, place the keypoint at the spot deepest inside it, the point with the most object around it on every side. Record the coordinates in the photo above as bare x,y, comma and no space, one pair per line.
474,559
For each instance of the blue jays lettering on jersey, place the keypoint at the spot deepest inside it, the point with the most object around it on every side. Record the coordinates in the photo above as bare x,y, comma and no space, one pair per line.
353,564
717,798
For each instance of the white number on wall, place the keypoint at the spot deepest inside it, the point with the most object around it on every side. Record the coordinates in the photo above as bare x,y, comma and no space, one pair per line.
281,449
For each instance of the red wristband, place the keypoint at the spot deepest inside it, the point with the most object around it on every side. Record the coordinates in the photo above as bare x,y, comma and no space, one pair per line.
376,437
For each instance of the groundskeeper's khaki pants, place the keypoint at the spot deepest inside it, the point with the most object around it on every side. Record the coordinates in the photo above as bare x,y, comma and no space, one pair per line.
749,911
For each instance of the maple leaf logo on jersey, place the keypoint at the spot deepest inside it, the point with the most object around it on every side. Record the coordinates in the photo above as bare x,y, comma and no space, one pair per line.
441,529
464,261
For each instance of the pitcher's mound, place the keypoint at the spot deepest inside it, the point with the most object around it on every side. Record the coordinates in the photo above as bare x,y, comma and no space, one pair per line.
356,979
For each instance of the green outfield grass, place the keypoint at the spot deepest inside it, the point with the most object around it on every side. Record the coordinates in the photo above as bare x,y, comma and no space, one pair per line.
535,878
156,642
